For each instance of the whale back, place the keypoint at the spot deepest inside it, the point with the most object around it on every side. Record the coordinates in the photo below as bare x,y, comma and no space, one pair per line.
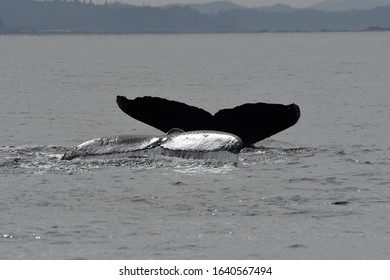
208,145
113,145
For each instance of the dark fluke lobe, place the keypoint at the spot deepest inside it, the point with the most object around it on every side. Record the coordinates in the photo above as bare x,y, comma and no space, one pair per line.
165,114
252,122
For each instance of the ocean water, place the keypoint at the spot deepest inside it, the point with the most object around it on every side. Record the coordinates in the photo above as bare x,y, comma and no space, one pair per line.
319,190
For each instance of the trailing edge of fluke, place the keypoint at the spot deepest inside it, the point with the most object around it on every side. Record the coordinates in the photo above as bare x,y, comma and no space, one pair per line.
252,122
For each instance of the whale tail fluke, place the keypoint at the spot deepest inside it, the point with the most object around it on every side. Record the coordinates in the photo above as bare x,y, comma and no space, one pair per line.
164,114
252,122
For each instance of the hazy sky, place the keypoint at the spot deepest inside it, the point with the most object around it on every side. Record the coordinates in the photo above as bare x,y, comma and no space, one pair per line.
249,3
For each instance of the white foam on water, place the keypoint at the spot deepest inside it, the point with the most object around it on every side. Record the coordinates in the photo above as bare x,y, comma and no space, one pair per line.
224,156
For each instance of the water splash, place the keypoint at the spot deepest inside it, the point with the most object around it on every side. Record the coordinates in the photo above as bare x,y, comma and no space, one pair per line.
47,159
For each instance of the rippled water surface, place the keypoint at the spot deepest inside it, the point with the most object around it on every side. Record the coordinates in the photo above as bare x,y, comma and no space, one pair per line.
319,190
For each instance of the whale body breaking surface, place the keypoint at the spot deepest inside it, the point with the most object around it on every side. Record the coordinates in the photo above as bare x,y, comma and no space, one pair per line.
188,145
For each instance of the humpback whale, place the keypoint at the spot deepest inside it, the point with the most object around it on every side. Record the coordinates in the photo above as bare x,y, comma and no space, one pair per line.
176,143
252,122
200,135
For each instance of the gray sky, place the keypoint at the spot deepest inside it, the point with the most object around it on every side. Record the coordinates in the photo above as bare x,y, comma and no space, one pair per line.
248,3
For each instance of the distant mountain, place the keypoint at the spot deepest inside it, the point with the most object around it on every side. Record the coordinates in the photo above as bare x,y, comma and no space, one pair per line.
60,16
346,5
86,17
278,8
312,20
216,7
210,8
120,5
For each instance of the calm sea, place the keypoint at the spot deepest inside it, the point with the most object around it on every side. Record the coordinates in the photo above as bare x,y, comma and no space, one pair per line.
319,190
